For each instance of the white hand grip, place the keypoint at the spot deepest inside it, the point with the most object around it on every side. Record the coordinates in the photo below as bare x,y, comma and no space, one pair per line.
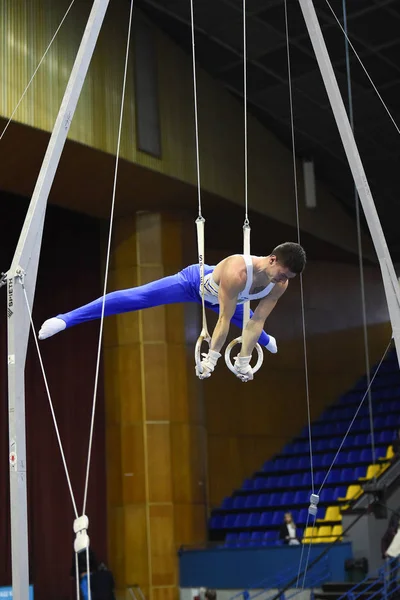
228,359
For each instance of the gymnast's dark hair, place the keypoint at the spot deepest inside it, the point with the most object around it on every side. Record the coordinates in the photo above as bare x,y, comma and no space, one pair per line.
290,255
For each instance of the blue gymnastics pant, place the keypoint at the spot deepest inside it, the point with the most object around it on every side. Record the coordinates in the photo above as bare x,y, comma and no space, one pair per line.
182,287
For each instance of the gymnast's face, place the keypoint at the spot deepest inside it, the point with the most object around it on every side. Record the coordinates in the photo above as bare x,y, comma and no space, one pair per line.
277,272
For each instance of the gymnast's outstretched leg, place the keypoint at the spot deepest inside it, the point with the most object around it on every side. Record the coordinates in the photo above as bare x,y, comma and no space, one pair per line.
264,340
169,290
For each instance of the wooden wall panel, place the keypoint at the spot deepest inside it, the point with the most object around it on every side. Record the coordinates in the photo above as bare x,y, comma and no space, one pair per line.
159,462
27,27
163,559
134,541
157,438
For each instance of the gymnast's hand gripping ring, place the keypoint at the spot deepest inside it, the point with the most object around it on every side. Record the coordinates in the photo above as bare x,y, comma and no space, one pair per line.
203,337
229,362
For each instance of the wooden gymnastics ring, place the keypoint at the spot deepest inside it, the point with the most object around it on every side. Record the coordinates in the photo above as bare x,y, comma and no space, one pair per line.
228,360
203,337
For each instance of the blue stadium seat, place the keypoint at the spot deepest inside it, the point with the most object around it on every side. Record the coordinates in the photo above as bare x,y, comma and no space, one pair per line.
366,455
259,483
380,452
379,422
318,460
227,503
277,517
241,520
291,463
263,500
304,462
319,477
302,516
360,439
275,499
229,521
339,492
321,445
306,479
346,475
243,539
334,476
287,499
354,457
273,481
230,540
254,520
341,459
301,497
326,495
251,501
280,464
335,442
256,538
239,502
385,437
217,522
348,442
316,430
360,472
295,480
268,467
248,484
266,519
270,538
327,459
392,421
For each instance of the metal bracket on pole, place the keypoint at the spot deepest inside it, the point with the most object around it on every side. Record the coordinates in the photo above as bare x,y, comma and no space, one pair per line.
26,261
391,284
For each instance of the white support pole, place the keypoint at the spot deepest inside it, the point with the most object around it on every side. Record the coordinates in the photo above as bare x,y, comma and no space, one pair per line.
25,265
392,289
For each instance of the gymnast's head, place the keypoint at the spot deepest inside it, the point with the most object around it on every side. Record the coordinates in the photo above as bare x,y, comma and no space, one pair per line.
285,262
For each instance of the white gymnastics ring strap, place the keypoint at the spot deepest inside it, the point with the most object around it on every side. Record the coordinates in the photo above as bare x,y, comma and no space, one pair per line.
204,335
246,314
246,225
229,363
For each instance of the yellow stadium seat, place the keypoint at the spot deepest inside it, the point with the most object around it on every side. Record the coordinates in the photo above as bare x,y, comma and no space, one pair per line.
324,534
372,471
308,532
332,514
353,492
389,454
337,530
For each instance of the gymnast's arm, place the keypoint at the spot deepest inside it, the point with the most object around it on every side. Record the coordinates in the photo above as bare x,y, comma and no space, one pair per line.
255,325
231,284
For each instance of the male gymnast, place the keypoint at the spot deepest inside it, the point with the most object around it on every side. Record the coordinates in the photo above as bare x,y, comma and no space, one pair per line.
227,286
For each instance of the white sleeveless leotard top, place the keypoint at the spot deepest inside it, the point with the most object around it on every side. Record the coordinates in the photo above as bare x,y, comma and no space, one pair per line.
211,288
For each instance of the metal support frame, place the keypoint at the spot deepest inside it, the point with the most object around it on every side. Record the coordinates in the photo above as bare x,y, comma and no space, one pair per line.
25,262
24,268
390,282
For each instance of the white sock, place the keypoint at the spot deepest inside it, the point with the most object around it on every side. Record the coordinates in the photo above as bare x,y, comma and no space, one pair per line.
271,346
51,327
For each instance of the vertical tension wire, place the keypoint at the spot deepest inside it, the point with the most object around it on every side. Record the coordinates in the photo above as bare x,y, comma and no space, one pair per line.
299,240
196,118
246,205
301,289
359,241
200,221
107,267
